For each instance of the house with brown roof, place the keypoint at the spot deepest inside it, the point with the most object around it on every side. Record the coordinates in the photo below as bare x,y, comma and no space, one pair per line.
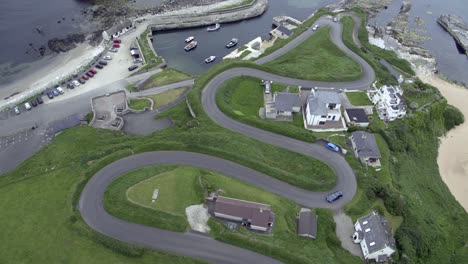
256,216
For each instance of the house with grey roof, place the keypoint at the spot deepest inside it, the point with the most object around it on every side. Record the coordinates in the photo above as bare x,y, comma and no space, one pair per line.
365,148
374,237
307,224
255,216
356,117
282,106
323,111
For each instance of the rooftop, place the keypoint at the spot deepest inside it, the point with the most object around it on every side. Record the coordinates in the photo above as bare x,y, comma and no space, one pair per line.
376,233
357,115
318,100
366,146
286,101
307,223
259,214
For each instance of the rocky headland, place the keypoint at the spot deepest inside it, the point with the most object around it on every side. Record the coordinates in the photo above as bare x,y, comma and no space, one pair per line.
457,28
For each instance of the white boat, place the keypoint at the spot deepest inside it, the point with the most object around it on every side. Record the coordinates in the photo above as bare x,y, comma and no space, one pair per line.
191,45
187,40
210,59
214,27
232,43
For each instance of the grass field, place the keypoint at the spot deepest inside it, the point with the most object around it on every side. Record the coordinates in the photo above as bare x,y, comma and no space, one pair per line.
164,98
139,104
167,76
175,198
150,57
358,98
317,58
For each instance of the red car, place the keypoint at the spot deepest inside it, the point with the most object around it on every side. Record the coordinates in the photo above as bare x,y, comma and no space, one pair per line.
85,77
116,45
93,71
118,41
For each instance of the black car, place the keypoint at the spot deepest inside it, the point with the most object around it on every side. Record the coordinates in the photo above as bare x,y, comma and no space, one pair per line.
332,197
99,66
81,81
70,86
133,67
50,95
55,92
39,100
103,63
33,102
75,75
89,74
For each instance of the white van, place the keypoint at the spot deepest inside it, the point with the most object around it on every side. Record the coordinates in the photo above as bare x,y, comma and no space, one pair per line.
60,90
27,106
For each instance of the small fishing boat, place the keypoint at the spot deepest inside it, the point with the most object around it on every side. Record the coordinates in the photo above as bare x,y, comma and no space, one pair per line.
189,39
232,43
191,45
210,59
213,27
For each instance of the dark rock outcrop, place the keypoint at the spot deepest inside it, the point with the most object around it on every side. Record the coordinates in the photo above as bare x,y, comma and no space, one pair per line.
62,45
457,28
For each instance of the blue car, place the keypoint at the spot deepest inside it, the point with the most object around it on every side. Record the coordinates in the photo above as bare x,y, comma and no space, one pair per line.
334,196
333,147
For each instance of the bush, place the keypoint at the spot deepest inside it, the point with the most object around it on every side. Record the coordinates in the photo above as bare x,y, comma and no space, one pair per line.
452,117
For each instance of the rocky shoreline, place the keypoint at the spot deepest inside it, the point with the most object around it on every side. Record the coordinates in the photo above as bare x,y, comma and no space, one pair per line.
457,28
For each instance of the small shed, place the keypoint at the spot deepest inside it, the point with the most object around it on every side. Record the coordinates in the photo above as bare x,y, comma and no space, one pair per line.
307,224
356,117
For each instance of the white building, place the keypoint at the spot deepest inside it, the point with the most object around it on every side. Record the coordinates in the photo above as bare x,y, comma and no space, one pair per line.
374,237
388,101
323,111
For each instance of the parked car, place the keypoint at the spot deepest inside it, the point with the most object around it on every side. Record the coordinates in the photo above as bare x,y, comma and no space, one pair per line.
81,81
17,111
99,66
33,102
335,19
84,77
75,75
89,74
117,41
55,92
103,63
76,83
133,67
107,57
50,95
116,45
27,106
93,71
60,90
133,48
39,100
137,60
113,50
315,27
332,197
70,85
333,147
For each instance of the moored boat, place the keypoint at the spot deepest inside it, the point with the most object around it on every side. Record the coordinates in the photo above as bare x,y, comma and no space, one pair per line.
210,59
214,27
187,40
232,43
191,45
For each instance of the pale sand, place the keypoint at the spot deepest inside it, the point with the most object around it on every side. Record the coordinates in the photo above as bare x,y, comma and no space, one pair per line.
453,149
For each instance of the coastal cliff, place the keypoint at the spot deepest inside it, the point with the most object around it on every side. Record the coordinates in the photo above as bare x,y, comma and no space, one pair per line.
457,28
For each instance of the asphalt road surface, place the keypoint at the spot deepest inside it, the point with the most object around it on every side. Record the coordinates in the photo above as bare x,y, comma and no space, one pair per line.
203,247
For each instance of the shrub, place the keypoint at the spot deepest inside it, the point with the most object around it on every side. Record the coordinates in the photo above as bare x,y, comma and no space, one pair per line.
452,117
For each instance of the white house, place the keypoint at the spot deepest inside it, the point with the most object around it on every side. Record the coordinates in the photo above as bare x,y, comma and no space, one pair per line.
374,237
388,101
323,111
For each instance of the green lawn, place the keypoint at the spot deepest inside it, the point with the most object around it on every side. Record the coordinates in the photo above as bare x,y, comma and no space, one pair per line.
243,3
139,104
150,57
167,76
181,186
164,98
358,98
317,58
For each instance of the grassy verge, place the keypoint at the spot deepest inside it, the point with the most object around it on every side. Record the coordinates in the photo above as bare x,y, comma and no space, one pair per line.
243,3
167,97
181,186
167,76
139,104
317,58
358,98
150,57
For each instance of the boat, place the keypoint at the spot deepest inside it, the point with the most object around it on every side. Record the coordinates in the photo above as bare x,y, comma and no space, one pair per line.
189,39
232,43
210,59
191,45
213,27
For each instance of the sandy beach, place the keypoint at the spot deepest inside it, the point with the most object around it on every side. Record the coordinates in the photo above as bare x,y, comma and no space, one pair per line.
453,150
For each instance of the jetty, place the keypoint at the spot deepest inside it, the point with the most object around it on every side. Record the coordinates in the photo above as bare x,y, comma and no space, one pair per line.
457,28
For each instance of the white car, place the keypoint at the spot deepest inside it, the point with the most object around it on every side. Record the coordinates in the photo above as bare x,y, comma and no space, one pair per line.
315,27
17,111
27,106
107,57
76,83
137,60
60,90
335,19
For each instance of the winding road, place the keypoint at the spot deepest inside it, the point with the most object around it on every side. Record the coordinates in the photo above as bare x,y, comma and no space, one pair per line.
204,247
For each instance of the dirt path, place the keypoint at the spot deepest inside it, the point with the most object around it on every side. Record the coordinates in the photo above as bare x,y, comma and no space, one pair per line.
453,150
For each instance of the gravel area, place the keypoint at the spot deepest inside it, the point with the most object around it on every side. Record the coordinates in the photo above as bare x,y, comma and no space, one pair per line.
344,231
197,216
